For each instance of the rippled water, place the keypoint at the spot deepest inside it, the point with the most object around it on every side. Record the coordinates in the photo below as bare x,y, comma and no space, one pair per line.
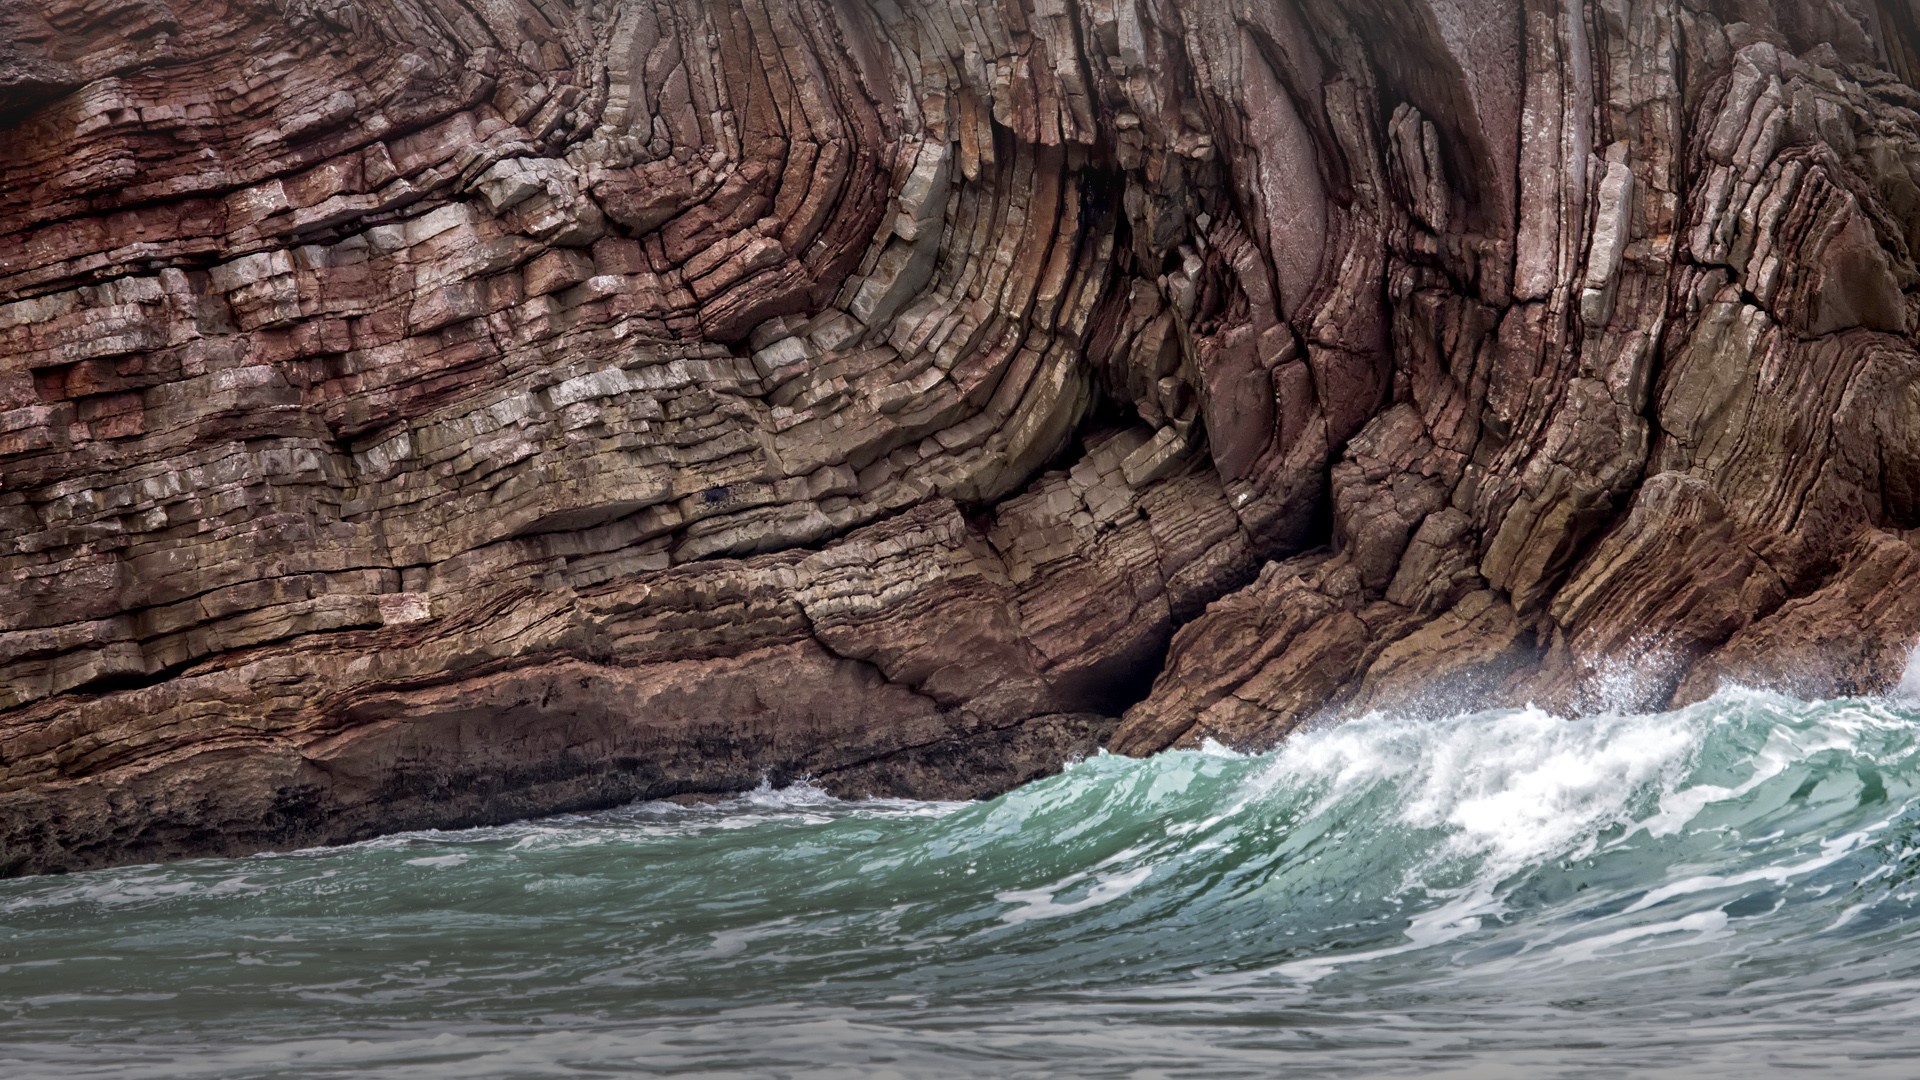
1727,890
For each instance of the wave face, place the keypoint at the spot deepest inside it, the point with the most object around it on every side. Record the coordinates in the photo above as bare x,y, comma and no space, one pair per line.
1724,890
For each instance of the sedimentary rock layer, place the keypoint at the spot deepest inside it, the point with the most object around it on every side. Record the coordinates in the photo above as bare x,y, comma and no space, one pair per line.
423,412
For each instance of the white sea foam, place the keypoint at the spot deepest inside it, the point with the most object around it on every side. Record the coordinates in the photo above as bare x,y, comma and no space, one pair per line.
1831,851
1509,788
1597,894
142,886
1457,917
1043,902
1496,793
1703,925
1481,799
1909,686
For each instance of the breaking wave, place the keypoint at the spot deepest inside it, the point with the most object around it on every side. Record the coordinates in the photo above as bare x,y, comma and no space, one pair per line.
1726,889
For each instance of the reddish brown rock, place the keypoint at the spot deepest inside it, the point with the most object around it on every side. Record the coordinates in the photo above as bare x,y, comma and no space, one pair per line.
416,413
1679,449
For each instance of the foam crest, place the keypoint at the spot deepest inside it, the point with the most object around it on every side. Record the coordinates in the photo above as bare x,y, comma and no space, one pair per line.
1394,864
1909,685
1510,788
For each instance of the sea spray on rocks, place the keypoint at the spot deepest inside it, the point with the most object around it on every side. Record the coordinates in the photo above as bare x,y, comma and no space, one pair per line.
1721,890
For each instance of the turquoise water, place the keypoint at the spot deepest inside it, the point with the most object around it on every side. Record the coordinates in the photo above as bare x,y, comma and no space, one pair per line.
1726,890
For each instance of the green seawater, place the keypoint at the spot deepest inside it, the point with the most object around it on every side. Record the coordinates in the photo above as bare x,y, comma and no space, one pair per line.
1728,890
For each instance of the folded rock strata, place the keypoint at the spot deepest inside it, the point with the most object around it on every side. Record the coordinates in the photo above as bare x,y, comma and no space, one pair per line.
421,413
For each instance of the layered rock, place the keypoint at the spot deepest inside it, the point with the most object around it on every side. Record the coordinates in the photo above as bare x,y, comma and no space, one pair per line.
419,413
1672,449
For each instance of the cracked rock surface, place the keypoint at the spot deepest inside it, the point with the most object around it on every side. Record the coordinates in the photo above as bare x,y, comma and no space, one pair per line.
423,413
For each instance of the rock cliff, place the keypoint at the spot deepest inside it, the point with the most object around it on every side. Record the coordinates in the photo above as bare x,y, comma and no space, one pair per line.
428,412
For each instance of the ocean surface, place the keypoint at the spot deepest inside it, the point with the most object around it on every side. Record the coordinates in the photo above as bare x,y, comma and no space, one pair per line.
1728,890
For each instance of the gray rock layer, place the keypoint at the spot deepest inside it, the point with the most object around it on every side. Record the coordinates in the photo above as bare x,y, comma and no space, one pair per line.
428,412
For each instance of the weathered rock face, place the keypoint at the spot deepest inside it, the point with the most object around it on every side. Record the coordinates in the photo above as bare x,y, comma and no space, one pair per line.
415,412
1652,431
